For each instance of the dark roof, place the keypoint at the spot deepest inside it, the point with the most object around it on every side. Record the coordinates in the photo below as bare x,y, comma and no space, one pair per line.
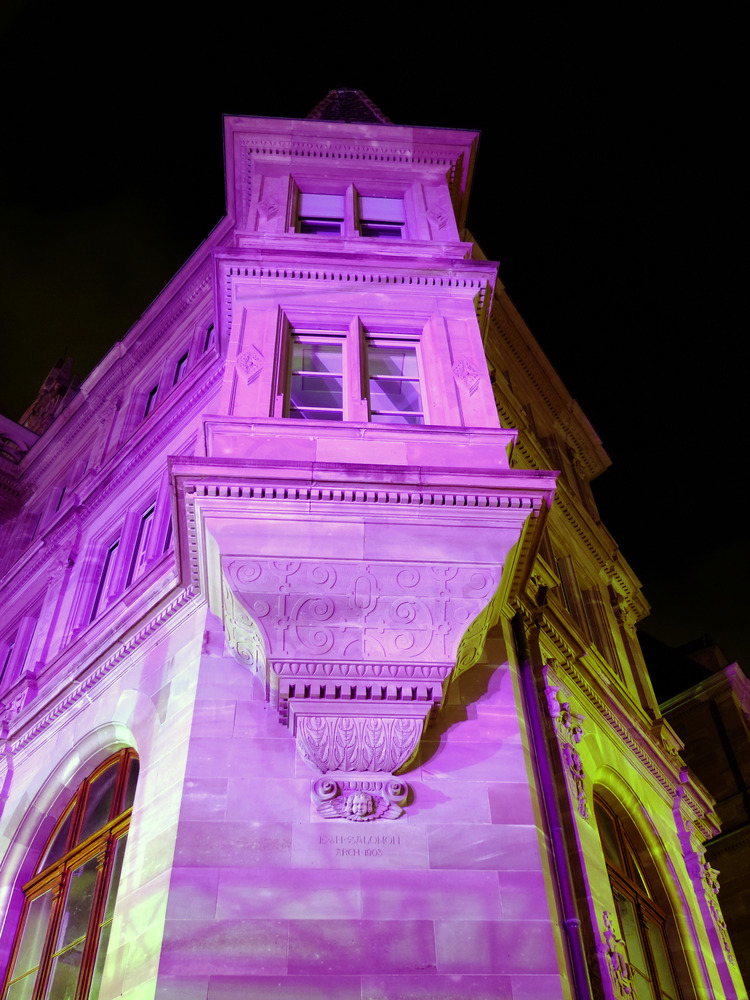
347,105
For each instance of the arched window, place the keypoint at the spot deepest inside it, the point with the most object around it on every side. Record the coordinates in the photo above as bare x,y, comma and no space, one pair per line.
62,938
640,918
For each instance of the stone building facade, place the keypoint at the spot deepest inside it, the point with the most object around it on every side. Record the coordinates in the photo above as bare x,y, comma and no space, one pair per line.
318,670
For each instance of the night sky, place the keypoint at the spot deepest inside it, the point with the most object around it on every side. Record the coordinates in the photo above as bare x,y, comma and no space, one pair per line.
608,188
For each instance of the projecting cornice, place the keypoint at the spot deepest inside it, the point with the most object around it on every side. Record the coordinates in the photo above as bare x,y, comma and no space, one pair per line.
389,150
654,746
111,382
563,414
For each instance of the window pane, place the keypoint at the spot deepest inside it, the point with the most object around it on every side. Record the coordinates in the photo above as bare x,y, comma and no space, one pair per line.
394,390
380,230
106,925
59,844
21,990
629,927
317,388
608,837
180,369
140,551
321,213
320,227
34,933
75,918
382,209
130,790
98,803
105,580
66,963
150,401
659,951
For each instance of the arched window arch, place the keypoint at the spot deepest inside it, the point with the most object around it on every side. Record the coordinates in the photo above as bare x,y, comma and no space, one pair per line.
641,919
62,938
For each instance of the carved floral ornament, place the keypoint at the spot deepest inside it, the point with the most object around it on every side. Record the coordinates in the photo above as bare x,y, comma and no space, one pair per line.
711,885
618,967
569,729
347,624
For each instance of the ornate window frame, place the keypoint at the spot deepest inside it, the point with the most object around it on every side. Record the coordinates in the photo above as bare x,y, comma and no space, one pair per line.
55,908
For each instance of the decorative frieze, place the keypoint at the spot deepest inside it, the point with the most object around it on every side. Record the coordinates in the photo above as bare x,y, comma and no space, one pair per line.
388,630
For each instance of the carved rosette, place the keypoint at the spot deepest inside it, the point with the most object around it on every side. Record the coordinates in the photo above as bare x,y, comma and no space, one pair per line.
250,363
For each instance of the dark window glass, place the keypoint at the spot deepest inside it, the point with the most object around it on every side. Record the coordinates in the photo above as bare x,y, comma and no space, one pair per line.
640,919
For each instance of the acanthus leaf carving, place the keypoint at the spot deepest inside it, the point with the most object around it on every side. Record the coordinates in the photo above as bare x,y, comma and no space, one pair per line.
363,743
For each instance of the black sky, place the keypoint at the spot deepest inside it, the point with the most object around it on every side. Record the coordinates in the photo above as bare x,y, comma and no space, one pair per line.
608,187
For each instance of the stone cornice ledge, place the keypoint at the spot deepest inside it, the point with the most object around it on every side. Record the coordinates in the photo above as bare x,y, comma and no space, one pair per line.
661,761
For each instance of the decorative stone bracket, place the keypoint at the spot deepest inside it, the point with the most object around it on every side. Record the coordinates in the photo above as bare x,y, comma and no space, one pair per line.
377,739
347,587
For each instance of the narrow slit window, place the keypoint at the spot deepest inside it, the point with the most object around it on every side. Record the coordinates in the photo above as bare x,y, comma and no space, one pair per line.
141,548
180,369
150,401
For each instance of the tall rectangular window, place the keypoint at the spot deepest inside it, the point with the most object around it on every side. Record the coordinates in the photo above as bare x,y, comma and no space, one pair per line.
180,370
316,390
140,549
150,401
353,375
105,580
393,383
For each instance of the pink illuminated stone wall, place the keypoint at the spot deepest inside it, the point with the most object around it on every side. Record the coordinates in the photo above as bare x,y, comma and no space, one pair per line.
317,541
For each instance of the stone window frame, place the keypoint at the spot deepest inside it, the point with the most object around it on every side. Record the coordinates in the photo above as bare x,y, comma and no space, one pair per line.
355,339
135,552
356,201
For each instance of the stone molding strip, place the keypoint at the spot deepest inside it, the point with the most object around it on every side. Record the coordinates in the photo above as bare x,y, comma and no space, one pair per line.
88,683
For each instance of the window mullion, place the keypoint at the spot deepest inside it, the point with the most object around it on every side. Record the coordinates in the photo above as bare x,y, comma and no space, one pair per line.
59,894
91,943
351,211
356,374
